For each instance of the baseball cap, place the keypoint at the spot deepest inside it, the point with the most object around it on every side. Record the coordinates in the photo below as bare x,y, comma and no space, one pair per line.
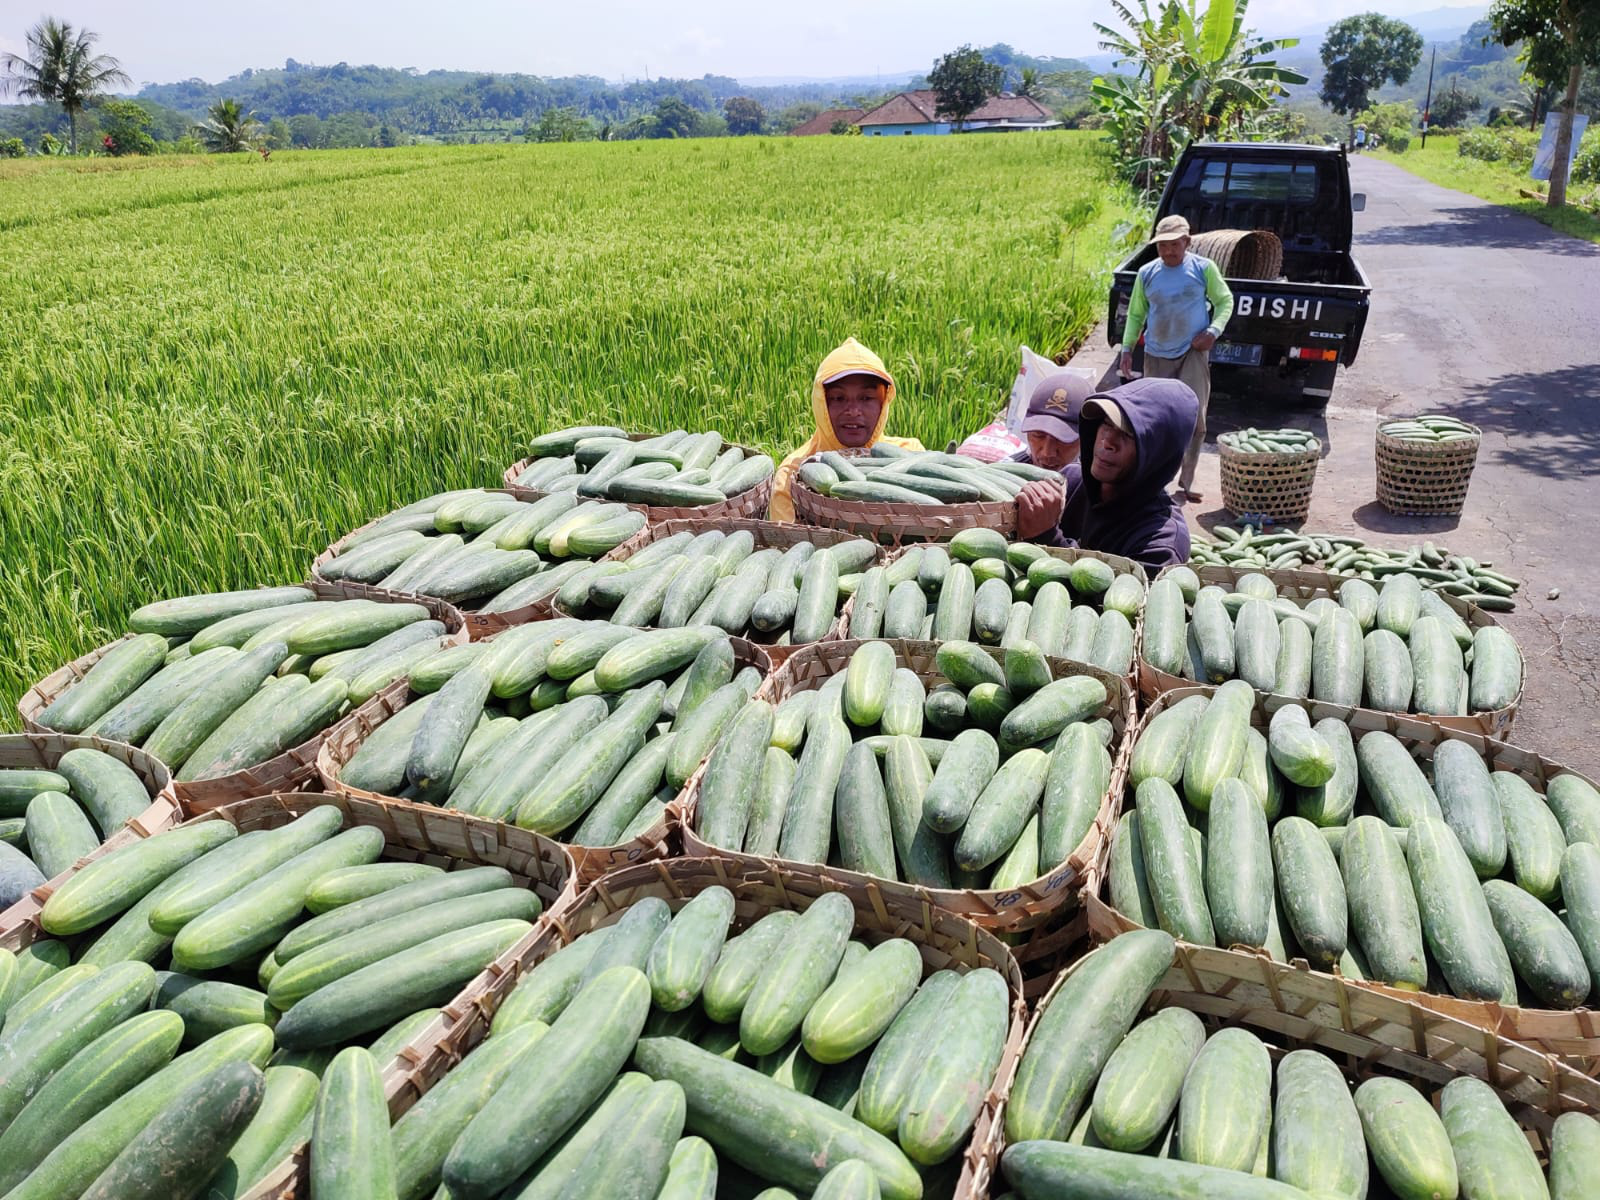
845,374
1104,408
1053,408
1170,229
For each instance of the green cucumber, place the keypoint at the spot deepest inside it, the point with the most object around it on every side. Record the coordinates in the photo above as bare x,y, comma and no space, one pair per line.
1471,808
116,676
1226,1101
943,1101
109,790
532,754
1456,922
360,914
1534,842
627,795
866,683
1496,676
1312,890
133,719
1165,623
1491,1150
952,617
902,711
352,1153
633,937
1043,715
349,884
1543,952
1128,883
1139,1087
1576,805
1256,645
110,885
1574,1155
862,1002
1407,1140
633,1164
900,1053
1175,878
1292,674
352,624
1389,674
1337,659
1162,747
699,728
808,814
1398,789
1383,906
1332,802
540,995
1299,751
766,816
1212,629
741,962
199,714
1238,869
818,600
1436,665
1317,1143
1001,810
1047,623
288,1099
1113,643
58,833
796,975
920,851
725,793
905,610
861,815
1046,1170
1399,601
210,1006
1079,775
1217,743
682,958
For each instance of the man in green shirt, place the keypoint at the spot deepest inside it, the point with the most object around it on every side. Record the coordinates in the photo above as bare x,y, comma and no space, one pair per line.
1181,304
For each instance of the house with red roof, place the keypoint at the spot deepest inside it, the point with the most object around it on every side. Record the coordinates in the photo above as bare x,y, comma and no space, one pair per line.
916,112
824,121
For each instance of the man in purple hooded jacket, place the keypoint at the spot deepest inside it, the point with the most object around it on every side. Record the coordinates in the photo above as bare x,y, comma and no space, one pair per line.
1116,498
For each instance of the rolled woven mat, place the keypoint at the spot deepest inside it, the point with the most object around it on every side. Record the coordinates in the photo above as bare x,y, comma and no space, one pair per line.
1241,253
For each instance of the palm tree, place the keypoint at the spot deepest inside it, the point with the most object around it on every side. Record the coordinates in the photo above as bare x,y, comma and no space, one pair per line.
1030,85
62,68
228,128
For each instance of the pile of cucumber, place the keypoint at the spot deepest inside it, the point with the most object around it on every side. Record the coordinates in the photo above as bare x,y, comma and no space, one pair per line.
1430,427
1270,441
890,474
1434,567
1396,648
49,819
339,945
215,683
777,597
676,470
663,1056
1006,788
1436,875
1108,1104
979,587
482,549
580,730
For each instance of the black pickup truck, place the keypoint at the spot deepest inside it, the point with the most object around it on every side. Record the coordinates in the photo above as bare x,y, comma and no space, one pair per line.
1288,335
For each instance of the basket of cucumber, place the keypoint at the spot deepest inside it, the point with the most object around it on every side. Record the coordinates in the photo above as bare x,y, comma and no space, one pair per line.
1267,473
1282,1085
1425,464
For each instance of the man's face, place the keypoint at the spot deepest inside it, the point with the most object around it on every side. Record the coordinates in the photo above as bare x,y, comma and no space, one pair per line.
1115,455
1172,251
1049,452
854,403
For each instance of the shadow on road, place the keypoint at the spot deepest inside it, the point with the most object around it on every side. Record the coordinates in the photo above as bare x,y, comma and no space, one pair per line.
1378,519
1551,420
1481,226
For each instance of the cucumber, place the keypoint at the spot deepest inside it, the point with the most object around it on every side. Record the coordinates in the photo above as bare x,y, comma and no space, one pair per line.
1074,1034
683,957
850,1180
115,677
1083,626
188,725
766,817
725,793
1079,775
1534,842
1298,750
952,618
110,885
1407,1140
442,732
549,1177
1394,782
1213,633
1389,676
1312,891
1256,645
1437,667
905,611
540,995
920,851
1543,952
636,1167
819,598
253,917
1456,922
108,789
862,1002
808,814
861,815
210,1006
741,1112
742,960
698,729
187,1141
1225,1102
1175,877
353,624
1576,806
1045,1170
133,719
1238,871
1292,673
1162,747
991,610
288,1100
1128,884
1165,624
1361,598
1491,1151
360,914
1470,805
1496,677
1333,802
632,938
866,683
1217,745
1113,643
576,1060
1574,1155
1399,601
1338,659
58,833
944,1099
1047,623
429,973
1383,906
998,815
1138,1090
796,975
967,665
1043,715
91,1080
349,884
352,1153
902,711
1317,1143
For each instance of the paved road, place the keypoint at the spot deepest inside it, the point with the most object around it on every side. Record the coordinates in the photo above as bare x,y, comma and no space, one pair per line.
1495,318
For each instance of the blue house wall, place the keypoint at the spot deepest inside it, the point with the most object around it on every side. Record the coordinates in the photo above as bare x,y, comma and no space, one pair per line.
900,130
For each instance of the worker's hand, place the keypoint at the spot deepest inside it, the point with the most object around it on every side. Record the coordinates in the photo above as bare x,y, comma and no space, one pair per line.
1125,367
1204,340
1039,507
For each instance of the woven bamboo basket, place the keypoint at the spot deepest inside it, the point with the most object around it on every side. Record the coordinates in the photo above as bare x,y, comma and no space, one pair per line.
289,771
1241,253
1425,479
44,751
767,534
589,862
1365,1033
1046,901
945,940
1302,585
894,524
479,625
749,503
1572,1036
1267,487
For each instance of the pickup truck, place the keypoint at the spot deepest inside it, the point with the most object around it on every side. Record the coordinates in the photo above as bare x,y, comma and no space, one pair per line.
1288,335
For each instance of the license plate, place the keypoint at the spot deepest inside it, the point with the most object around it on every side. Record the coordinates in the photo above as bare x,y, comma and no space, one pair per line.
1236,354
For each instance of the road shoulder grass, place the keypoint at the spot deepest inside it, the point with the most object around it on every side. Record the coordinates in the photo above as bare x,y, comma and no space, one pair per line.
1499,183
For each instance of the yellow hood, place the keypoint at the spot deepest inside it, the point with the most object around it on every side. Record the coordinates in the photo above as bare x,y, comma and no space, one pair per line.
849,358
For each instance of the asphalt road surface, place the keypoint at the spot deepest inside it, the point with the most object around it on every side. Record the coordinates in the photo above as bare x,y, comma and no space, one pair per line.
1487,315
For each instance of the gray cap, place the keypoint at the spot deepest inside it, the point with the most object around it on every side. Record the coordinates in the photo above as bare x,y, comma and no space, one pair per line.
1054,406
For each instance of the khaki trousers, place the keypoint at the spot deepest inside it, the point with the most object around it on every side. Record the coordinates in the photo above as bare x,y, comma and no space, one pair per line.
1194,368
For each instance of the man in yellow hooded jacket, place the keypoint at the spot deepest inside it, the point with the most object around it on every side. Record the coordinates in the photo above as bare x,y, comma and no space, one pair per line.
850,399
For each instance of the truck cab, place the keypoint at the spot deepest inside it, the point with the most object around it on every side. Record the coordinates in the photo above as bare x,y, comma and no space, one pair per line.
1287,335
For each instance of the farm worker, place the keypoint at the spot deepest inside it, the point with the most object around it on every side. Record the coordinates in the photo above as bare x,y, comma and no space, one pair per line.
1116,498
850,399
1051,425
1187,303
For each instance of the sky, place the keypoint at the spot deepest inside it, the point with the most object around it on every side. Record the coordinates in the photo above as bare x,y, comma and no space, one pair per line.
162,41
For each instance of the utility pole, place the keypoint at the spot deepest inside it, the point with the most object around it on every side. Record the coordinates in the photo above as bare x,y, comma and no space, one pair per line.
1427,105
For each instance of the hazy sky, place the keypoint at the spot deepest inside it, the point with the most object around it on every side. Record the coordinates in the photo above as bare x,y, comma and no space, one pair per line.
167,40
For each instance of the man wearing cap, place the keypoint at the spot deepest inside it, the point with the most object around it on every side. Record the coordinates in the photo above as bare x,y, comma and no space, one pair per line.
1051,425
1115,500
1182,304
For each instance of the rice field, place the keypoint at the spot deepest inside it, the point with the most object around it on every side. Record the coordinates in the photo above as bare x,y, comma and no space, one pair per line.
211,368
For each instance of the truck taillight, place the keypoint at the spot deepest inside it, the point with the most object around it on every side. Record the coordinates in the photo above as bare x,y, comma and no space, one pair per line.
1314,354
